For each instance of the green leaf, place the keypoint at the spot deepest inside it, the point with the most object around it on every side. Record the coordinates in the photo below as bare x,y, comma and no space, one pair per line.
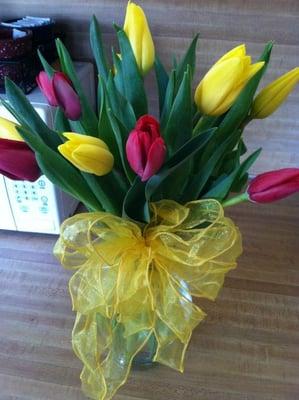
178,129
162,82
78,127
121,135
174,62
106,133
246,164
47,67
189,59
174,164
118,74
173,186
133,82
243,148
97,47
88,120
19,118
231,159
168,101
206,168
221,189
61,123
99,95
136,206
106,191
205,122
24,109
238,186
242,171
120,106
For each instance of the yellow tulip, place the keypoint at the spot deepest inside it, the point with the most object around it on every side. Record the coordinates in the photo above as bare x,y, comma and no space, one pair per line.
87,153
222,84
274,94
8,130
139,35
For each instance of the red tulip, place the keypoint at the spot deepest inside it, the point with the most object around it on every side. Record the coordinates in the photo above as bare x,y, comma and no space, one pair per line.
59,92
146,148
274,185
17,161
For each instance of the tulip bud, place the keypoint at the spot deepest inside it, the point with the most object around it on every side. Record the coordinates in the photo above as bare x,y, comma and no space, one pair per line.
8,130
17,161
222,84
274,94
274,185
139,35
87,153
66,97
59,92
146,148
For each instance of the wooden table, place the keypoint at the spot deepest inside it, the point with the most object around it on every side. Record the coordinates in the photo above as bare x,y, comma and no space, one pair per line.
247,348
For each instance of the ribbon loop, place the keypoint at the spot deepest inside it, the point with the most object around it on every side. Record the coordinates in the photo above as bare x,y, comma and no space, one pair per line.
130,284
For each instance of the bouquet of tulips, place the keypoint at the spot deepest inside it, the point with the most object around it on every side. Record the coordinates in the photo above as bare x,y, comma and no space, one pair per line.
155,188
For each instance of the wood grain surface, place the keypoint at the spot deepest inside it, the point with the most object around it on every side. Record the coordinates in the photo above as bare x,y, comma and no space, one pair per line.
246,349
222,25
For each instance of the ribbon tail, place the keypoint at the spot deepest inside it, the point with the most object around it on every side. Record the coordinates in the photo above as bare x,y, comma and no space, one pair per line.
176,317
106,353
116,367
170,350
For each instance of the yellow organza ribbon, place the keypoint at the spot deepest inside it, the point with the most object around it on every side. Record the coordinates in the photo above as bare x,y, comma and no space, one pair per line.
131,282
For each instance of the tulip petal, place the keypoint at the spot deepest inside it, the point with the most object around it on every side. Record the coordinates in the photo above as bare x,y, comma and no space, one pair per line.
134,154
8,130
93,159
149,124
228,101
155,158
46,87
251,70
17,161
276,193
232,96
133,26
67,98
148,51
217,85
145,145
78,138
238,51
66,149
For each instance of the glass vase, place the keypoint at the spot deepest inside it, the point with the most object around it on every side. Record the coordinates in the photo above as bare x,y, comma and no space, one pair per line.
144,359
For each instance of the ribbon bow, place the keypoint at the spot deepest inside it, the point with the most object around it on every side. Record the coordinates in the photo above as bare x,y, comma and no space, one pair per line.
136,281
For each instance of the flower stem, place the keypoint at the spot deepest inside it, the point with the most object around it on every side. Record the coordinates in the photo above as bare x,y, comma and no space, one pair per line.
235,200
245,122
205,122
